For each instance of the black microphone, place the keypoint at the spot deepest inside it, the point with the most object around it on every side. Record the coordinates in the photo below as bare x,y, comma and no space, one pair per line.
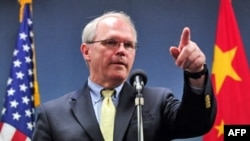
138,79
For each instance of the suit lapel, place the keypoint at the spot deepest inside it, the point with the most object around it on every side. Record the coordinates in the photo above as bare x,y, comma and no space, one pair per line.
124,112
83,111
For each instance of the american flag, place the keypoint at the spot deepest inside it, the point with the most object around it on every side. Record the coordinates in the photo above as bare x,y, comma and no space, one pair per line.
18,112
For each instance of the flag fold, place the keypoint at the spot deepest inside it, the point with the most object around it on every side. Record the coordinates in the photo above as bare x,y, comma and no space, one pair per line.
230,74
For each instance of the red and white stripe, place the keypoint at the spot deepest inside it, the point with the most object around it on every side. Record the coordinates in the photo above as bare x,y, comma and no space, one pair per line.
10,133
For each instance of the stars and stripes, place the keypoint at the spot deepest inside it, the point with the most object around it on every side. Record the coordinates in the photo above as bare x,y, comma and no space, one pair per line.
18,112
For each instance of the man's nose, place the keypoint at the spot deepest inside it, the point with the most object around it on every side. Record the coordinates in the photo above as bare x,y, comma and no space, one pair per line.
121,46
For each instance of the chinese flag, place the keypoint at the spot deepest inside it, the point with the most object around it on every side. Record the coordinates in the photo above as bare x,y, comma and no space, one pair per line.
230,74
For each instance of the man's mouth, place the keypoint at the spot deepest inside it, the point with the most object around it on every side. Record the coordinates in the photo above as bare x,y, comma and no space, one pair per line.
120,63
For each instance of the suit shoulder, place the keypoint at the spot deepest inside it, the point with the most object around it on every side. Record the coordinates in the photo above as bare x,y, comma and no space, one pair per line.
60,101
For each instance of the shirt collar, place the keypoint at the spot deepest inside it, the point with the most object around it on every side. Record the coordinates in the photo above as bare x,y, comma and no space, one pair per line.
96,89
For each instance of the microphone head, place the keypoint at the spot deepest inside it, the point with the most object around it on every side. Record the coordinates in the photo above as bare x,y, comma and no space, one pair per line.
140,73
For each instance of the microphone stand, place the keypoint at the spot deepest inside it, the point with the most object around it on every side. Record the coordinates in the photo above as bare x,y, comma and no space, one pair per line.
139,102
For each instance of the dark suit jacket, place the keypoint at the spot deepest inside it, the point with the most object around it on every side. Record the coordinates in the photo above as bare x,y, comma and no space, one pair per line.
72,117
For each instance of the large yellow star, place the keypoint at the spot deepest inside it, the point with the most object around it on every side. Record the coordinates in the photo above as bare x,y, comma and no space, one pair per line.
222,67
220,128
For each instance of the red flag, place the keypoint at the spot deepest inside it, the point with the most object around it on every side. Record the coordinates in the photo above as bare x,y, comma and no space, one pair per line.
230,74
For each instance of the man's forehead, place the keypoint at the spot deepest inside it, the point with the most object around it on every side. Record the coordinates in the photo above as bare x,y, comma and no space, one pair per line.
113,23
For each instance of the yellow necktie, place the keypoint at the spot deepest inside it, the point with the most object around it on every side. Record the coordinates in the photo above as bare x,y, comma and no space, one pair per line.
107,119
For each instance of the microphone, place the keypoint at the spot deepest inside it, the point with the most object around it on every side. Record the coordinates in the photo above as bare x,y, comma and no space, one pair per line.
138,79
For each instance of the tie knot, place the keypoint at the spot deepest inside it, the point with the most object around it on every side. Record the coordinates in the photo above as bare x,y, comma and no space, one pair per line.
107,92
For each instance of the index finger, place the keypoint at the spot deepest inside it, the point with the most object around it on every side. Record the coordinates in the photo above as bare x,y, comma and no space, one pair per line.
185,37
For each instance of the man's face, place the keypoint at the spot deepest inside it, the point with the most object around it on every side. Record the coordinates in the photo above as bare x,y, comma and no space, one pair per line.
111,61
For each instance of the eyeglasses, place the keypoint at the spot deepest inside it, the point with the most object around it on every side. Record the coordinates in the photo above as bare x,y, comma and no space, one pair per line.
113,43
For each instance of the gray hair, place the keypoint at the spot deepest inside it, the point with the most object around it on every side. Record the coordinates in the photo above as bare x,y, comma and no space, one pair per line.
89,31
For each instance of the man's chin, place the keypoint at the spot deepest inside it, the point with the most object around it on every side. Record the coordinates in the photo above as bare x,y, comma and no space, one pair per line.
119,67
120,78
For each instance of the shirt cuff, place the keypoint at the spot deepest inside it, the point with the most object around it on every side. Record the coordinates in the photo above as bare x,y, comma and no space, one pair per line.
196,90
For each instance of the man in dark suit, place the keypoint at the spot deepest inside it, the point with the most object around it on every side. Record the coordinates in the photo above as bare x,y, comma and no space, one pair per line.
109,48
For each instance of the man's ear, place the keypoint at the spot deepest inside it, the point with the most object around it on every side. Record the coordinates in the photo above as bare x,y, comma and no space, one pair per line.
85,51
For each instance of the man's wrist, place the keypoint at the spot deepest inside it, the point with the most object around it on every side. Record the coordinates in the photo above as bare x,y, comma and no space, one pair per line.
197,75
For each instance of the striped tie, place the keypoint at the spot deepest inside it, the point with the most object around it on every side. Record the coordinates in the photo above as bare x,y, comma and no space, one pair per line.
107,115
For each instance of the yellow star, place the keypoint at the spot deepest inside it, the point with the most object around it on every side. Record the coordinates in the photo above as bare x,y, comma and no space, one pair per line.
222,66
220,128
